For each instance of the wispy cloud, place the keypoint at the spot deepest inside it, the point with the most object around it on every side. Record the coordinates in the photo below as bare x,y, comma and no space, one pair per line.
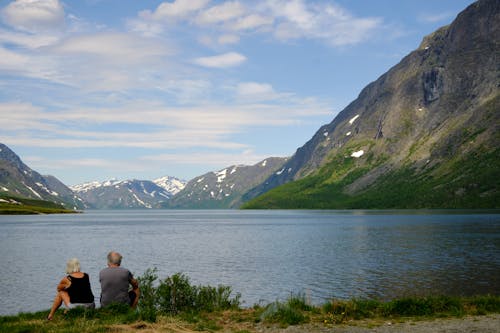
224,12
435,17
230,59
176,9
210,158
283,19
202,126
327,22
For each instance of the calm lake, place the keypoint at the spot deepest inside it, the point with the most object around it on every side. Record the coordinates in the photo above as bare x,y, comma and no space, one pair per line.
264,255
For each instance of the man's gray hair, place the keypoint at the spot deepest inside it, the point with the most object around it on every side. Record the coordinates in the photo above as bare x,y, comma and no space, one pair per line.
114,258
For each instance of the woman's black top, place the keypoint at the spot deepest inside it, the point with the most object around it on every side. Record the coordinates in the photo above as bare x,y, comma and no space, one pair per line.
79,291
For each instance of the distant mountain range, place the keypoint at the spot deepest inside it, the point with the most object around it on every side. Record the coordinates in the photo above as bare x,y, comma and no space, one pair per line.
225,188
220,189
114,194
423,135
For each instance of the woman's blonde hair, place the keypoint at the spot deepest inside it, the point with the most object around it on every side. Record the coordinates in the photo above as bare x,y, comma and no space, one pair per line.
72,266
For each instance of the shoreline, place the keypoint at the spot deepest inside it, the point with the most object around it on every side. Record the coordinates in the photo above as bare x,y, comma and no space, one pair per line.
425,314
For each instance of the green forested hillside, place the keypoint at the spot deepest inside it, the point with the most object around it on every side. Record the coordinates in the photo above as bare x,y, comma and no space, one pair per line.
17,206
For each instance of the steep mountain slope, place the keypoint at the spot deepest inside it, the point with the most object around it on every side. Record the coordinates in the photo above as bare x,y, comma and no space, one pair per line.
425,134
225,188
19,180
114,194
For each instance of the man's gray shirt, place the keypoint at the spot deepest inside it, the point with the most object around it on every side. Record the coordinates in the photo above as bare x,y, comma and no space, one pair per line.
114,285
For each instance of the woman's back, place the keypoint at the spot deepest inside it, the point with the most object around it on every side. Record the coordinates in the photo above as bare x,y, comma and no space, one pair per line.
79,291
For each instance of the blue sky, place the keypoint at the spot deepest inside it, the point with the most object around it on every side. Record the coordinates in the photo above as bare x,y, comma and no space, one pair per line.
99,89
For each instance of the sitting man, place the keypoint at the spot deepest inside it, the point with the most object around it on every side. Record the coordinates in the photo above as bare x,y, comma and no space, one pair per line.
115,281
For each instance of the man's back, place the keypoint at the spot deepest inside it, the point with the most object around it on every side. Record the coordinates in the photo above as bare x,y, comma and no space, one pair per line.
114,285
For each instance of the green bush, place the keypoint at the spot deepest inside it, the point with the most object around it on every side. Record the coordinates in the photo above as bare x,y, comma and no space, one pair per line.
148,301
176,295
290,312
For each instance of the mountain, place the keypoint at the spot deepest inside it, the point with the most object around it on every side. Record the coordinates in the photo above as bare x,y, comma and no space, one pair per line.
225,188
423,135
114,194
171,184
19,180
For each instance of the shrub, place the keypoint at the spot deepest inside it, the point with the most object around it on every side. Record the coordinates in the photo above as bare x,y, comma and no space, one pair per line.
175,295
288,313
148,301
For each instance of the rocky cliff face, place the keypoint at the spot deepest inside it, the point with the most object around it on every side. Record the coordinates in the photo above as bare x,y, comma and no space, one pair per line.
435,110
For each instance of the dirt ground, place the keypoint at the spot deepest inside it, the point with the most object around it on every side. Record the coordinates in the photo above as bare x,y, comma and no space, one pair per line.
470,324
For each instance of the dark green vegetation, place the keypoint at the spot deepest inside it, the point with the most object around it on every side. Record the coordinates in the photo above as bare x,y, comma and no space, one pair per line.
174,304
20,206
175,295
454,184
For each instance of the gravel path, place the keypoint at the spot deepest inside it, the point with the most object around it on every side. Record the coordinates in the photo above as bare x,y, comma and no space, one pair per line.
471,324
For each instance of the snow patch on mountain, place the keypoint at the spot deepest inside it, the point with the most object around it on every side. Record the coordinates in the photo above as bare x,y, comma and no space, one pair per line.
221,175
358,153
85,187
171,184
353,119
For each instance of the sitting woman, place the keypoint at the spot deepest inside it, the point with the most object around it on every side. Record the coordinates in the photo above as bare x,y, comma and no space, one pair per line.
73,290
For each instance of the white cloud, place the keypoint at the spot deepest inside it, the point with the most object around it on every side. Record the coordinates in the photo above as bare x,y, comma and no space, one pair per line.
247,157
230,59
284,19
221,13
329,22
253,21
25,40
10,60
228,39
34,15
256,91
94,62
148,28
177,9
203,125
119,47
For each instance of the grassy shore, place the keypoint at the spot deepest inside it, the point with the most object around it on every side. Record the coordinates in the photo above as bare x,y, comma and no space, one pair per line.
258,318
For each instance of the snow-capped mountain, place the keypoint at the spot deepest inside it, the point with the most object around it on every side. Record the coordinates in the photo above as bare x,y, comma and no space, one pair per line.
113,194
170,184
224,188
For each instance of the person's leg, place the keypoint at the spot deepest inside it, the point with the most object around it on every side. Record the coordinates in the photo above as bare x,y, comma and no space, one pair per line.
61,296
134,297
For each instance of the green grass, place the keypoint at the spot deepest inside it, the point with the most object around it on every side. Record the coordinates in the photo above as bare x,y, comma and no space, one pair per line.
25,206
296,310
470,181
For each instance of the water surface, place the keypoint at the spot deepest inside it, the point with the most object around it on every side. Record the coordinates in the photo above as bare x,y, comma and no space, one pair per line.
264,255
